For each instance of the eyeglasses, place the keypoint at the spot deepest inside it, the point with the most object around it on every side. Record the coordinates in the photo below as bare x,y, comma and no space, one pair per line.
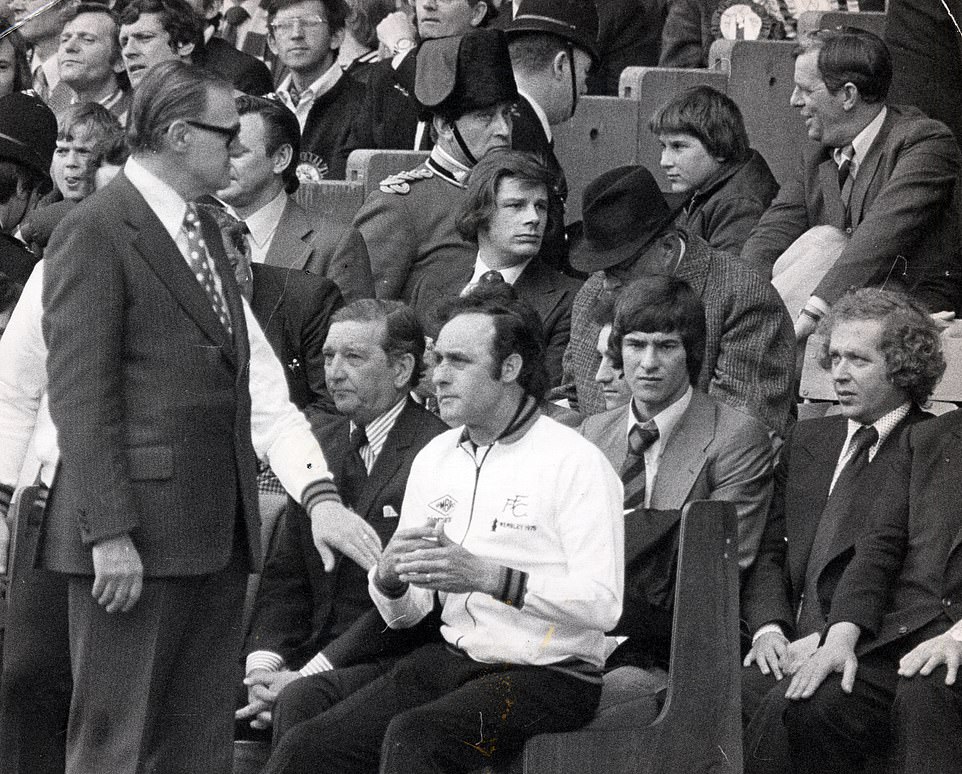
307,24
229,133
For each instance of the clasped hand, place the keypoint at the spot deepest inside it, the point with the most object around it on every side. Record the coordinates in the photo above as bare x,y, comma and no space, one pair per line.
426,557
263,688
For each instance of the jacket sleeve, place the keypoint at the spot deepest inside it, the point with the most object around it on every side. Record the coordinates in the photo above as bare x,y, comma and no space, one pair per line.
389,238
785,220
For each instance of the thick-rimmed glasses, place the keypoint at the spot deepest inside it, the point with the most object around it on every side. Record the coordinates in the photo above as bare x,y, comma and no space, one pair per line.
229,133
307,23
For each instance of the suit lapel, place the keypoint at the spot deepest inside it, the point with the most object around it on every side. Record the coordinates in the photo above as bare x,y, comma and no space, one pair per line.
389,460
157,249
684,455
290,248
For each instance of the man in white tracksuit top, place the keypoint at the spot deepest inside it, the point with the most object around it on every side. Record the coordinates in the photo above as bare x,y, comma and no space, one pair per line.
514,523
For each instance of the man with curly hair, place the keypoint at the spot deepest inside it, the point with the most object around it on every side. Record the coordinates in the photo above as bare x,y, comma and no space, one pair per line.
885,358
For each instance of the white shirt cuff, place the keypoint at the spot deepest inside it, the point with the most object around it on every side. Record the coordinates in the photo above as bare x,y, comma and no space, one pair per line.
316,665
263,659
765,629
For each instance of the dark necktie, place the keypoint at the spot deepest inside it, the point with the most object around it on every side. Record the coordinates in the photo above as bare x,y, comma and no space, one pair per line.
234,17
197,260
846,181
294,93
237,236
358,441
640,439
835,512
490,277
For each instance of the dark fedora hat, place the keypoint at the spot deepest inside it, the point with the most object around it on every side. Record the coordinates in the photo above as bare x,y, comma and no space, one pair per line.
28,131
572,20
623,211
459,74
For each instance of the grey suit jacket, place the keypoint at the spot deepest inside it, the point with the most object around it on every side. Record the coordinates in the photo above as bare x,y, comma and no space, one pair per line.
297,245
714,453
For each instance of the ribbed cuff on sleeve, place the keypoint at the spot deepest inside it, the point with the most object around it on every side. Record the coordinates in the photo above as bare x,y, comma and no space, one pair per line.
514,584
322,490
263,659
320,663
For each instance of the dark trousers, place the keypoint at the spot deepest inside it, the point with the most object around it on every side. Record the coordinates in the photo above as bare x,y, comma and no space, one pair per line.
154,687
763,704
927,717
35,684
436,711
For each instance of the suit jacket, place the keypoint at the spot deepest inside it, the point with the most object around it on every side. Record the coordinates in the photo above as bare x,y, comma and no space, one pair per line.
906,575
906,201
300,609
714,453
297,245
294,309
247,73
629,35
174,467
549,292
750,343
16,261
774,589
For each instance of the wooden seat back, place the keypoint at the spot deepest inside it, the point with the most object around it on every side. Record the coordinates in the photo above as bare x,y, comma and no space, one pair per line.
699,726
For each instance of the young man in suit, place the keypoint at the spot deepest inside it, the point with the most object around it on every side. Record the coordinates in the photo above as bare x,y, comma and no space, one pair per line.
307,621
153,514
506,212
885,175
279,232
744,315
885,357
672,444
552,45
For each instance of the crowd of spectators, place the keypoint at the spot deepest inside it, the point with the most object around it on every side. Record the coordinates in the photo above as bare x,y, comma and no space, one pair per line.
296,495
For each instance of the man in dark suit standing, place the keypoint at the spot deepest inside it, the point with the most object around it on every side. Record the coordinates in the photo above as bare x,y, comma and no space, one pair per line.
164,393
885,358
886,176
307,621
278,231
552,45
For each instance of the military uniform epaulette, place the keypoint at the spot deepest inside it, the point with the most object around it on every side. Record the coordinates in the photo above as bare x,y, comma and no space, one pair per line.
401,182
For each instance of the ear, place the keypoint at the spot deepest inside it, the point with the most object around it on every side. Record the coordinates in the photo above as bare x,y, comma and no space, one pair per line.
559,64
403,368
271,43
337,38
176,133
118,66
850,96
442,127
184,50
511,367
479,13
282,158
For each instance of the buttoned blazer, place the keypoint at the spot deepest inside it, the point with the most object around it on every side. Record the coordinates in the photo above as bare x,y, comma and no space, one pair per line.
149,393
296,245
294,310
714,453
907,569
906,201
293,611
774,589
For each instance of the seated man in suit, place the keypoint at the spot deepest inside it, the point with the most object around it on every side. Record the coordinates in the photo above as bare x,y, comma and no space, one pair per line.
408,226
552,45
506,212
672,444
886,176
279,232
885,358
305,36
307,621
749,359
893,629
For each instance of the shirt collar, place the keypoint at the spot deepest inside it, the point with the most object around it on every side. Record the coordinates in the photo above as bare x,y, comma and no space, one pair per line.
539,112
379,428
863,141
263,223
510,274
884,425
319,88
163,200
665,420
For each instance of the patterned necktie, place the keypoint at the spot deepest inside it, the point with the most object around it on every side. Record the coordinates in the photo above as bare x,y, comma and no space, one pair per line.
197,260
294,93
234,17
846,181
237,236
640,439
863,440
40,83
